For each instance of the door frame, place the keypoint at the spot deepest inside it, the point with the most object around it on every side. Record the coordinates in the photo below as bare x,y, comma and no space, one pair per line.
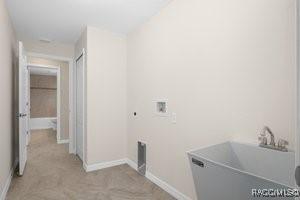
28,102
71,93
58,96
297,134
83,56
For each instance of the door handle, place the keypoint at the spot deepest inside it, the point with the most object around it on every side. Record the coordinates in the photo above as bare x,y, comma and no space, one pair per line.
22,115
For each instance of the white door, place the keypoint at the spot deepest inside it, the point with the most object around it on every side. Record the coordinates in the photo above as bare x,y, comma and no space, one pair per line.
23,108
79,106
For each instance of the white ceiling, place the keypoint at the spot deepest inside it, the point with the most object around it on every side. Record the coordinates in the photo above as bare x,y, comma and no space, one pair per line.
63,20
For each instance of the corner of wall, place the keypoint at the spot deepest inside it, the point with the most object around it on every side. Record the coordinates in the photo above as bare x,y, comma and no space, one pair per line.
8,61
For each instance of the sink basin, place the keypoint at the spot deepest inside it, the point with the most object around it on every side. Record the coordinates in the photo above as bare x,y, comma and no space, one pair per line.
231,170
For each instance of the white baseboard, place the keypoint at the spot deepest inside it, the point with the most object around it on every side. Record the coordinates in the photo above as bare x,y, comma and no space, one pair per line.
4,191
93,167
63,141
84,166
162,184
166,187
72,150
41,123
132,164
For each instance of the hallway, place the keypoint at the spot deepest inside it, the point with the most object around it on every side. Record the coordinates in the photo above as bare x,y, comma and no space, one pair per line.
53,174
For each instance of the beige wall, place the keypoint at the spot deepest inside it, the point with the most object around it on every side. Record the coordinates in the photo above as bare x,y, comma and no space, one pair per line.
106,95
53,48
81,44
226,67
64,92
8,59
43,94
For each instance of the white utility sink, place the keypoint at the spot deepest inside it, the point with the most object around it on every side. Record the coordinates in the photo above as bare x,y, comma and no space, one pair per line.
231,170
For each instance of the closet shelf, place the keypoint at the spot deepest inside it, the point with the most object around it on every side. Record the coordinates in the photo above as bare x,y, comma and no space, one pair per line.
42,88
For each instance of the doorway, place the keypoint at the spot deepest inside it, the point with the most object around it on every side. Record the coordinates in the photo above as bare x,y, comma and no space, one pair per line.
63,119
66,85
44,98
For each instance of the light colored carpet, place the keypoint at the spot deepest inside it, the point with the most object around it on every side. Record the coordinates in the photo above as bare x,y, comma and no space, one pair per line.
53,174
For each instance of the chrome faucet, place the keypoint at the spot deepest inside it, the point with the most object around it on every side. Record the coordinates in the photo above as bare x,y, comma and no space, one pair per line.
281,146
268,130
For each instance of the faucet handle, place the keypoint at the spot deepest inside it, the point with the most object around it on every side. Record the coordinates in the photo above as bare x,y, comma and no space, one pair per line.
263,140
263,131
282,143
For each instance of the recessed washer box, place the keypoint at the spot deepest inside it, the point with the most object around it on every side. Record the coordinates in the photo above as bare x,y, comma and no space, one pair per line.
161,107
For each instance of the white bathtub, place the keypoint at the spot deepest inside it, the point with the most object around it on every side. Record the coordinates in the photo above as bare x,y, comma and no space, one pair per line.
229,171
43,123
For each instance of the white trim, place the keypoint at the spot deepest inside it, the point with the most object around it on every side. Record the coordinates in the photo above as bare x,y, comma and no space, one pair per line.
162,184
132,164
29,118
6,186
297,133
63,141
58,101
47,56
103,165
8,182
33,65
71,106
166,187
85,166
